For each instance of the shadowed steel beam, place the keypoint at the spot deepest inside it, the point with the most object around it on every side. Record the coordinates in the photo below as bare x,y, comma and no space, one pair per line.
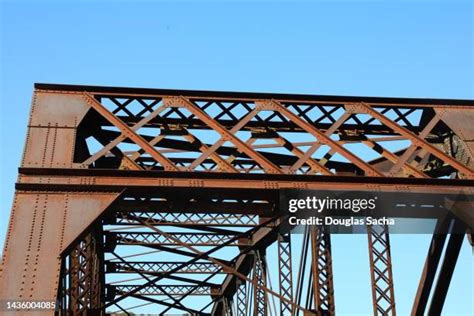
447,269
431,266
196,219
161,267
82,283
197,239
260,302
165,290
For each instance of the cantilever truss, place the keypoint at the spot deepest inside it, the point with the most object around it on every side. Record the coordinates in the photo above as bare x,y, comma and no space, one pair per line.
167,201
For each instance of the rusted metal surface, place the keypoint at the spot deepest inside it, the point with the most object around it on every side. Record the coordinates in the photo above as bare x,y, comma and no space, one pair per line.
383,293
82,282
241,300
286,272
192,174
260,299
323,289
431,266
35,180
42,226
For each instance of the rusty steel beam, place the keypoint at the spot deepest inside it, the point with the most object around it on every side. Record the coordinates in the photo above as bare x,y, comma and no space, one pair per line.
151,238
192,219
322,272
383,296
286,272
242,300
163,290
147,92
161,267
178,104
260,299
446,273
117,181
82,284
431,266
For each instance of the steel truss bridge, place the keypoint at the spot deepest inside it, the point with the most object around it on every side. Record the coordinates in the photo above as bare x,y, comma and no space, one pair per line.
168,200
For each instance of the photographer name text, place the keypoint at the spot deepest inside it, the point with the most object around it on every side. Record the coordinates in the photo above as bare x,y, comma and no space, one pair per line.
347,222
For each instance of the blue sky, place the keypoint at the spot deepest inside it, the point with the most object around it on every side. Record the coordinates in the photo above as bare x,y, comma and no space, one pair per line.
380,48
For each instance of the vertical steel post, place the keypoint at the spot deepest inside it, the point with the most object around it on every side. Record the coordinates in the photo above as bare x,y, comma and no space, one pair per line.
241,301
285,273
431,266
85,276
451,255
321,267
260,299
383,297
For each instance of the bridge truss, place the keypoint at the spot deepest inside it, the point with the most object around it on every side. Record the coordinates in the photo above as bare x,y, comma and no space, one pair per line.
167,200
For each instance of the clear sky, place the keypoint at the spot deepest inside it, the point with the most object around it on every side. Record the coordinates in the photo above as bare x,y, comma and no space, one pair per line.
380,48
